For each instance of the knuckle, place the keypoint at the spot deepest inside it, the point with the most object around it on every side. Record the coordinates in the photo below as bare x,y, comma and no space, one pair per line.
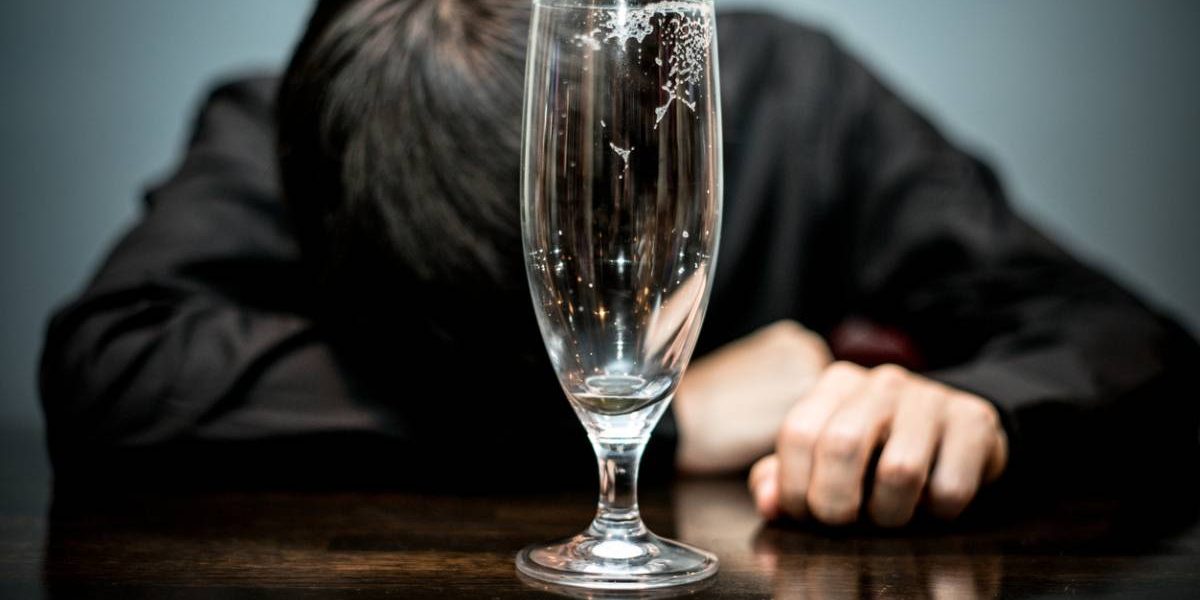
890,375
901,474
799,434
977,412
842,369
840,442
929,400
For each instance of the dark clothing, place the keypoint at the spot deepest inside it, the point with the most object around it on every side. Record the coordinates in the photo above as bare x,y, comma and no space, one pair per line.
195,346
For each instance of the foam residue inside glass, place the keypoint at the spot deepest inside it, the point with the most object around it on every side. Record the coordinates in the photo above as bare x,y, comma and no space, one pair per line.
685,33
623,153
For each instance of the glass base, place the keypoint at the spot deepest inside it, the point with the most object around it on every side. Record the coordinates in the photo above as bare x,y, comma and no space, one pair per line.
637,562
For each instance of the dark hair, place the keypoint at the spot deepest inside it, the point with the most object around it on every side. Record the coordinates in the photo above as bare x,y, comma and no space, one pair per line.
399,138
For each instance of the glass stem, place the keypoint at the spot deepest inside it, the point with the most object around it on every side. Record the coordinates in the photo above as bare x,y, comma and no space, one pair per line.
617,515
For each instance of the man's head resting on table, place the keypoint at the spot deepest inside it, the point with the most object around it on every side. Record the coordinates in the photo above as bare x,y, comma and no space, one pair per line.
399,136
399,125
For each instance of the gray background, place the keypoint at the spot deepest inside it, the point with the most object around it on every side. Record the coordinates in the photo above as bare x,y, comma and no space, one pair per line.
1090,110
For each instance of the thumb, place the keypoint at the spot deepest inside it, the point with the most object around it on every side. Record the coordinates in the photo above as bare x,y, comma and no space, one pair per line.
764,486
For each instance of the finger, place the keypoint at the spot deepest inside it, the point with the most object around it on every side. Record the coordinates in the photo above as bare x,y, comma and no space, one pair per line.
907,457
802,427
969,440
845,445
998,458
764,486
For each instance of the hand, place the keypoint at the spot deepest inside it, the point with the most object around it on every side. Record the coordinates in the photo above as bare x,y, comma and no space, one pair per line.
938,443
730,404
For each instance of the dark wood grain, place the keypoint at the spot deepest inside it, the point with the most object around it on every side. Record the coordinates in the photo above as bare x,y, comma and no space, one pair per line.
402,545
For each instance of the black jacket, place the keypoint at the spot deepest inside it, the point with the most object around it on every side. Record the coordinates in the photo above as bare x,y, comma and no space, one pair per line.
194,353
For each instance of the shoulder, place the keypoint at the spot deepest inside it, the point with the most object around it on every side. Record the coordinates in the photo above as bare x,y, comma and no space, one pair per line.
232,139
238,115
250,93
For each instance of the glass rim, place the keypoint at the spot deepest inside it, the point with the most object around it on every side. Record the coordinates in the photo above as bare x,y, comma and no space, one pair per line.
612,4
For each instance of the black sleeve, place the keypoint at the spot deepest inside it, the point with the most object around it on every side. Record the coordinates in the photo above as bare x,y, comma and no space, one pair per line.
194,329
1084,374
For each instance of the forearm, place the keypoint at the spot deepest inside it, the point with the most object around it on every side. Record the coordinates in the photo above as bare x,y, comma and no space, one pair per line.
142,367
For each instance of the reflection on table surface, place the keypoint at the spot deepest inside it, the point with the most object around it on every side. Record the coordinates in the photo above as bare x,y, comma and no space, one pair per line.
366,544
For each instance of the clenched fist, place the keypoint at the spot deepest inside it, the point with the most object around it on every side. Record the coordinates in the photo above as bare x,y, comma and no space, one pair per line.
777,393
937,443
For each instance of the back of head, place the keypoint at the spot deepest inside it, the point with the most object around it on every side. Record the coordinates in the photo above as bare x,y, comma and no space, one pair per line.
399,139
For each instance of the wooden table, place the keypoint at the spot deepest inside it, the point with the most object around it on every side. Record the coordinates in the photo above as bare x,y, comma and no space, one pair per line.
355,544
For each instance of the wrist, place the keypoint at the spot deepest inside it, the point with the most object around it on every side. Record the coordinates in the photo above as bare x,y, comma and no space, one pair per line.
689,451
715,439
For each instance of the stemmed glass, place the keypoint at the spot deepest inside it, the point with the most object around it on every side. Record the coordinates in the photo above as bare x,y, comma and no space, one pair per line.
620,217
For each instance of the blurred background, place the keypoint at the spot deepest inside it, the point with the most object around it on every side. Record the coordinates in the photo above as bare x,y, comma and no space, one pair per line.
1088,109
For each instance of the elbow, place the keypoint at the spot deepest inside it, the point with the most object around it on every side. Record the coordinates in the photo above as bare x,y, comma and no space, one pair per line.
102,384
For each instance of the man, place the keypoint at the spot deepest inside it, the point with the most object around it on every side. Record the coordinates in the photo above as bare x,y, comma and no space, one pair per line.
377,321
